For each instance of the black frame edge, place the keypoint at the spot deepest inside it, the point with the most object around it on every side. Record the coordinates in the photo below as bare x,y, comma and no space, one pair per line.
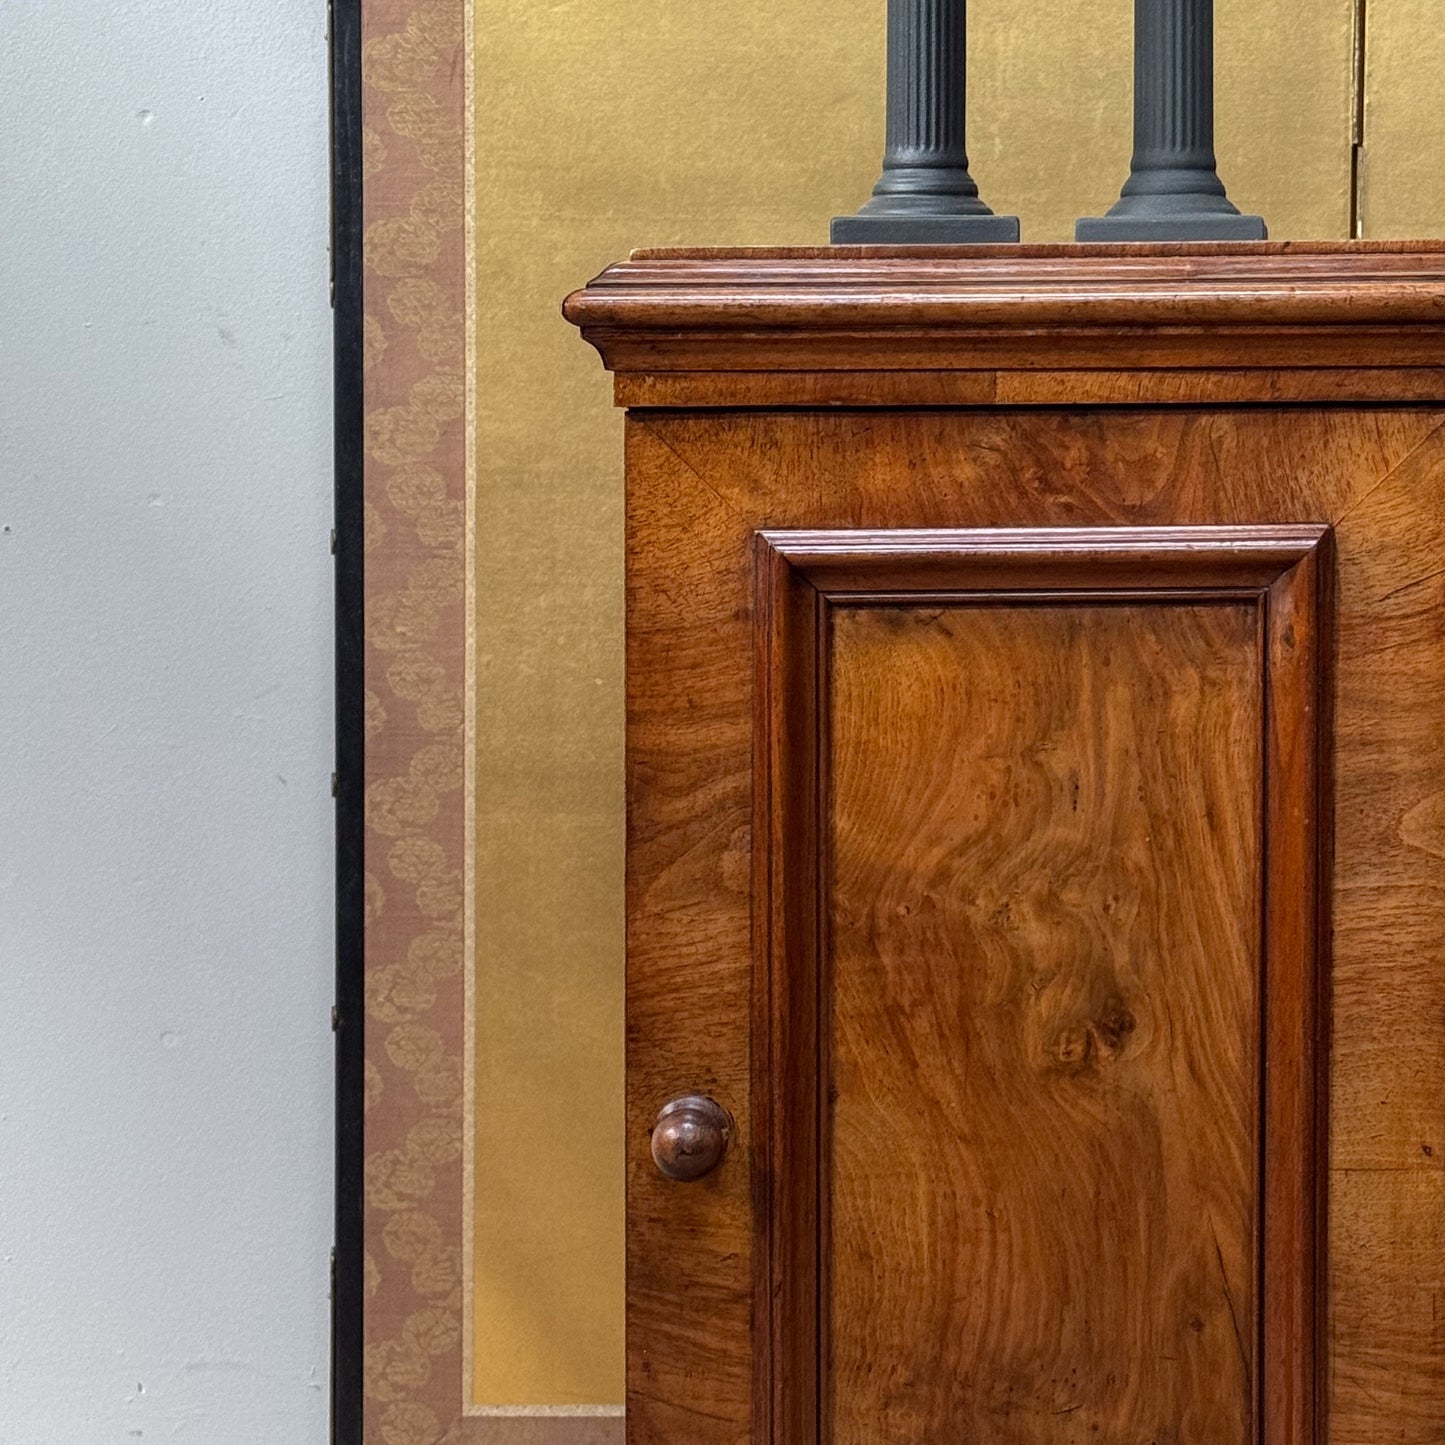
344,31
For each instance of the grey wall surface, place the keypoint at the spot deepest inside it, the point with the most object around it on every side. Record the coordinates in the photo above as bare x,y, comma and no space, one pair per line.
165,696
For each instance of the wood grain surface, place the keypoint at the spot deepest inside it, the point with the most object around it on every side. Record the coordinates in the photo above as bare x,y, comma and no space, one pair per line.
1044,1023
772,327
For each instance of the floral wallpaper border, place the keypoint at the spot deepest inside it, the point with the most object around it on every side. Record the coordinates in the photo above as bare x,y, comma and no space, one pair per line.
414,288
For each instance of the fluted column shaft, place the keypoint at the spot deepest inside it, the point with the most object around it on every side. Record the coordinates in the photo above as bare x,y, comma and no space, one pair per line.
926,192
1174,97
1173,191
927,102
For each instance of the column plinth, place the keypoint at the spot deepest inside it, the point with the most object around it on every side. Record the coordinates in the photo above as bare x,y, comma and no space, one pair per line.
925,194
1173,192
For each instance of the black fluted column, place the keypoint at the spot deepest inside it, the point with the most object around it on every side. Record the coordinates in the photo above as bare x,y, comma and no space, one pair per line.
1173,192
925,193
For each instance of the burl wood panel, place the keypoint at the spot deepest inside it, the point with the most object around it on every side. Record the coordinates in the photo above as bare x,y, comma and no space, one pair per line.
1045,952
700,486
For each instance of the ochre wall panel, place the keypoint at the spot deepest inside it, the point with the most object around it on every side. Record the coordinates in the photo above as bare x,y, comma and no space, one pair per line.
1402,179
1283,82
1050,118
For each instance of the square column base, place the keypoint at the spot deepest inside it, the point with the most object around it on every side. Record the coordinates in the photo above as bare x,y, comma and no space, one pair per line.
1171,228
876,230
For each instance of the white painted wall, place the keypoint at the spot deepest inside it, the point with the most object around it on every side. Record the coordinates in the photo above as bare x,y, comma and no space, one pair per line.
165,727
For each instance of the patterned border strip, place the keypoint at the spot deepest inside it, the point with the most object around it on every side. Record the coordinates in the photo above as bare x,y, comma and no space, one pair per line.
415,493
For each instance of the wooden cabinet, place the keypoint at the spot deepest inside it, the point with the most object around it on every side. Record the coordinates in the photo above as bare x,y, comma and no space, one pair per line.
1036,699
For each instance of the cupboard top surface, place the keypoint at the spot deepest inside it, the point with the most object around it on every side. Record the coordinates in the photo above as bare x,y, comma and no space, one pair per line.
882,326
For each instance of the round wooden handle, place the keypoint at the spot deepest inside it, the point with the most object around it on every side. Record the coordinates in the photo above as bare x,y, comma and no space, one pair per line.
690,1137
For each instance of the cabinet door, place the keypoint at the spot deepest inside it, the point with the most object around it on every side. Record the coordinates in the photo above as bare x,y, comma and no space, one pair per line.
1040,936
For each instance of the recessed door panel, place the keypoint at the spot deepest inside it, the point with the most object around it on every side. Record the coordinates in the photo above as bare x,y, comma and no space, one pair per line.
1042,1022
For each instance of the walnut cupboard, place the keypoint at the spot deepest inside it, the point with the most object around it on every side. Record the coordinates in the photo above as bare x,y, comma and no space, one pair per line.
1036,843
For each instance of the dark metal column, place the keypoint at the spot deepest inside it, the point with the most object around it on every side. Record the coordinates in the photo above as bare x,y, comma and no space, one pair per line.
1173,192
925,194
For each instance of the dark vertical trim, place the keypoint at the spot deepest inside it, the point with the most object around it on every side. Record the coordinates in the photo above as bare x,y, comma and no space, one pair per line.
346,233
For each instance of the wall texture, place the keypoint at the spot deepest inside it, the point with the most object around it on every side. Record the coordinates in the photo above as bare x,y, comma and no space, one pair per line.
165,698
1402,184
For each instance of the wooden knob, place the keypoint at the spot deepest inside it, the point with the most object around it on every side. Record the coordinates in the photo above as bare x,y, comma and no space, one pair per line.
690,1137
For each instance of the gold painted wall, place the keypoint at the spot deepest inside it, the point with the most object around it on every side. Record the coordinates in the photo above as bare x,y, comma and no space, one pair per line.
1402,190
604,124
1050,124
